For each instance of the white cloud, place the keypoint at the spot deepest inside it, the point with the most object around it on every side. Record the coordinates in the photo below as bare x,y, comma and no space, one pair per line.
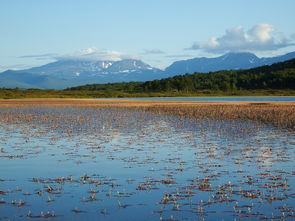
293,36
179,56
153,51
261,37
93,53
39,56
13,67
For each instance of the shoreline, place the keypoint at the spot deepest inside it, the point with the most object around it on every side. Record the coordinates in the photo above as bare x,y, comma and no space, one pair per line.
114,102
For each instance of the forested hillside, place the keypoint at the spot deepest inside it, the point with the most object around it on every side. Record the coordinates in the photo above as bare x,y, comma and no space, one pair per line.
277,76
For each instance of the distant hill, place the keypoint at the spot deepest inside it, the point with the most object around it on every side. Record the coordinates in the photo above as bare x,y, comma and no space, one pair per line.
230,61
70,72
13,79
276,76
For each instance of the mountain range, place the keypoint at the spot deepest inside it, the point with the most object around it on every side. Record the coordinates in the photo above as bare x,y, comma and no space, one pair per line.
72,72
229,61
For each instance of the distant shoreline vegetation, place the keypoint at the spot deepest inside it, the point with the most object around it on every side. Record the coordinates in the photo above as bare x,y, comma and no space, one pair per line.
274,80
35,93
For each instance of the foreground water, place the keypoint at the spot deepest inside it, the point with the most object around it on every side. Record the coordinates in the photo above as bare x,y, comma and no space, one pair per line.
69,163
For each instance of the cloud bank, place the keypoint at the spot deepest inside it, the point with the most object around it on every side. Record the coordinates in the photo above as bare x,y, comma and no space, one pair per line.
39,56
261,37
14,67
153,51
93,53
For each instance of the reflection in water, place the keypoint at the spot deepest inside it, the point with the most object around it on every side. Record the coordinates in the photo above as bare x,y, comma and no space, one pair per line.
265,156
68,163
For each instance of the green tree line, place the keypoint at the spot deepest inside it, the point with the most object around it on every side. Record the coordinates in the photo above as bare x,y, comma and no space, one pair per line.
277,76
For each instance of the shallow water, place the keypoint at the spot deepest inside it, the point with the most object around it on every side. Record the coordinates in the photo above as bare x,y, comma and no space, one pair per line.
69,163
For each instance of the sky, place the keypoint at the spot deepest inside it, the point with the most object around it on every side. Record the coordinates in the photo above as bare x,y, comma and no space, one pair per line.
159,32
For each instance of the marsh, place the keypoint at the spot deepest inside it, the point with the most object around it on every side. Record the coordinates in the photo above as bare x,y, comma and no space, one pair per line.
112,162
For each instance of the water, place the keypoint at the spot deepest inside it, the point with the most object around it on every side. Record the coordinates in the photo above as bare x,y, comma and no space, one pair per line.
68,163
208,99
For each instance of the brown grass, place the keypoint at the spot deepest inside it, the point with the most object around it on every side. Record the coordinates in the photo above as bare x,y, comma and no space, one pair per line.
275,114
280,114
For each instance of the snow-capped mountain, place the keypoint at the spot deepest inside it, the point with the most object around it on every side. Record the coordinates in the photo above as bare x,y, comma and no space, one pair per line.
128,65
74,72
69,69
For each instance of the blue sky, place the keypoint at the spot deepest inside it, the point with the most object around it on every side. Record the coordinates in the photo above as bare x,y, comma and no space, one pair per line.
35,32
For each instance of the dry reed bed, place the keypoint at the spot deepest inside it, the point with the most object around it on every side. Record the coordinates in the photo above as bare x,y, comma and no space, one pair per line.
279,114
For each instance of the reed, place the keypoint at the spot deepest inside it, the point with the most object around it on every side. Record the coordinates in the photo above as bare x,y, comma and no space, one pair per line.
277,115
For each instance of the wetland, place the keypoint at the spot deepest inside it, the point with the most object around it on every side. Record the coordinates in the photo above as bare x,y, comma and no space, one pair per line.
146,160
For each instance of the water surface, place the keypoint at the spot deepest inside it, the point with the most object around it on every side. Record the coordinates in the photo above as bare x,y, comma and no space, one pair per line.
68,163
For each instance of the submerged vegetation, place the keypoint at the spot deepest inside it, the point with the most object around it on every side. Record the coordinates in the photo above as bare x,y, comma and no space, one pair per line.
113,160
